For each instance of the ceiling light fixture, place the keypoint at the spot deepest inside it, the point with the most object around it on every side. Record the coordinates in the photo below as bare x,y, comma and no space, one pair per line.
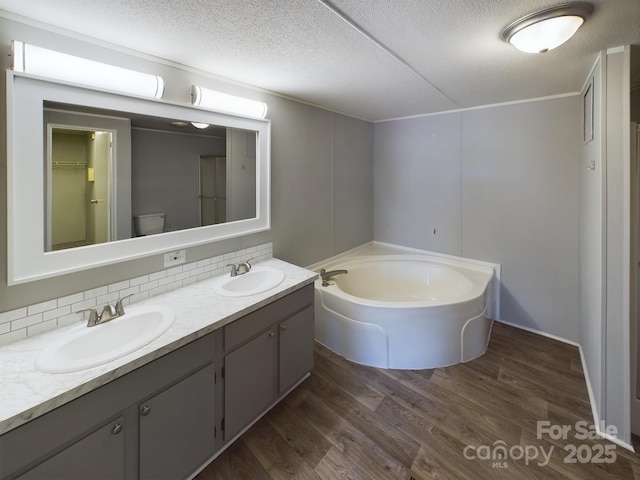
200,125
223,102
67,68
547,29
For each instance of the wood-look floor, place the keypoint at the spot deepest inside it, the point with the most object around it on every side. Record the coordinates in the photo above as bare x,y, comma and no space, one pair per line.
348,421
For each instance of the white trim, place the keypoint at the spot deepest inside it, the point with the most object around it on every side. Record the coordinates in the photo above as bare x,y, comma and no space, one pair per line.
594,412
612,50
544,334
482,107
591,72
27,261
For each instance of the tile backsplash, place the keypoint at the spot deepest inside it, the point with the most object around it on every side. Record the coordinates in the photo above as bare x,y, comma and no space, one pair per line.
27,321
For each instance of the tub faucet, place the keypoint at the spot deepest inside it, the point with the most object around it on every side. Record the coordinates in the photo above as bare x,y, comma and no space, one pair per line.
326,276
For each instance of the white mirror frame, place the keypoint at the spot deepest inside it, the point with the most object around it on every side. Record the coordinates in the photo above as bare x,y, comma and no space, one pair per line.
27,259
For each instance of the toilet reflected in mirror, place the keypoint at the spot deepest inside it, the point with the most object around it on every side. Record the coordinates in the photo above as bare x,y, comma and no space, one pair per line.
148,224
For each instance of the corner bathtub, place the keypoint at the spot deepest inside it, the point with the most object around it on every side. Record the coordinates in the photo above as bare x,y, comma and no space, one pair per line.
406,311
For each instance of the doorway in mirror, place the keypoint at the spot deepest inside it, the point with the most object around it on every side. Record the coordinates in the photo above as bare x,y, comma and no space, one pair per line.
79,209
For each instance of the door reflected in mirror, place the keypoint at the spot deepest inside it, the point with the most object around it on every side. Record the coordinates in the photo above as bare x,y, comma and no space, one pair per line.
80,201
112,175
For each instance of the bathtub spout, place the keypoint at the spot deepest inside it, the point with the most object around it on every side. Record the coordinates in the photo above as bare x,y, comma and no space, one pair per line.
326,276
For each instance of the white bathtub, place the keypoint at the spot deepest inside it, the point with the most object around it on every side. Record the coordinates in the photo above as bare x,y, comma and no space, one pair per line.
407,311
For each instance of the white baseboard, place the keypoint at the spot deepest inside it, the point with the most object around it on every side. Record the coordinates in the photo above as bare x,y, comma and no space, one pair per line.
592,402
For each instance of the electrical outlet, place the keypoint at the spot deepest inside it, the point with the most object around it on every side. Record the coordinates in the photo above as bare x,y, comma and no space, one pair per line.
172,259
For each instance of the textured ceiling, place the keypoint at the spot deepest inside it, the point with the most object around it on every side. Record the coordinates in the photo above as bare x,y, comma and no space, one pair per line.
373,59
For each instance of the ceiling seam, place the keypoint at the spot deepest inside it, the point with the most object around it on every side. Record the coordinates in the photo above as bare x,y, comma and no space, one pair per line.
353,24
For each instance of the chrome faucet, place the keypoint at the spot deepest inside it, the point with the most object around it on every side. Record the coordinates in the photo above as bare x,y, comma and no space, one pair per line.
240,268
326,276
109,312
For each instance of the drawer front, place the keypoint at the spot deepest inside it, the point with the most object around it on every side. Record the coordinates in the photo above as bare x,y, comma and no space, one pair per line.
250,325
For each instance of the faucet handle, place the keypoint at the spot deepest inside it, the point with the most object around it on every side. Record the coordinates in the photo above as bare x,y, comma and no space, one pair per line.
245,266
94,318
120,306
234,269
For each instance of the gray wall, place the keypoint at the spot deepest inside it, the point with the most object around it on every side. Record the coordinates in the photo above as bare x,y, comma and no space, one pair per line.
165,174
322,173
310,147
498,184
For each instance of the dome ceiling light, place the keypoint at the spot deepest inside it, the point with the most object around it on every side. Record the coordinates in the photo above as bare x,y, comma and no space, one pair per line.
547,29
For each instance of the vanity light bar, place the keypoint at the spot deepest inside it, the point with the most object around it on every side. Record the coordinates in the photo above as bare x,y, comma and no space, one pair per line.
68,68
223,102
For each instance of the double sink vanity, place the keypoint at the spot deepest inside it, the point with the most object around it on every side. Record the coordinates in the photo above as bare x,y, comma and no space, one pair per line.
167,383
161,390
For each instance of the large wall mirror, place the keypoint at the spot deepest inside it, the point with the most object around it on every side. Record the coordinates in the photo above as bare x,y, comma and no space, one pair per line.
96,178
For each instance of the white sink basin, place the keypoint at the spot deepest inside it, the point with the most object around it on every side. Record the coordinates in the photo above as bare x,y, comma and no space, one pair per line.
257,280
88,347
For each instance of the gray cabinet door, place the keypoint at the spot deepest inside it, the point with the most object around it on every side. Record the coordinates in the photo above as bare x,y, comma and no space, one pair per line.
249,381
296,348
99,455
177,428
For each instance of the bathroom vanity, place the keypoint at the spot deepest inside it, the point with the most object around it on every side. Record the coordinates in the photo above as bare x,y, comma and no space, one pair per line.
166,411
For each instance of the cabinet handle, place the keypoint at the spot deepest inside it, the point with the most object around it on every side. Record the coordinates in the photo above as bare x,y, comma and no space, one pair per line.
117,428
146,410
272,334
283,327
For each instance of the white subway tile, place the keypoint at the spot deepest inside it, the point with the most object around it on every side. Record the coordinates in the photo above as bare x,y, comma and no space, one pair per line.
88,303
174,270
189,266
189,281
128,291
182,276
115,287
58,312
41,307
166,280
13,315
109,298
69,299
41,327
139,280
19,323
204,262
174,285
157,275
26,321
148,286
14,336
158,291
69,319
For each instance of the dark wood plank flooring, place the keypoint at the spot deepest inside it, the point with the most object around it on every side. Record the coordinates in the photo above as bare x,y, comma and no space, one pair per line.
348,421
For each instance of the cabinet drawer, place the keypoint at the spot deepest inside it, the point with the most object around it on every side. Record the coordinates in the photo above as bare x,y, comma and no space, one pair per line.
99,455
247,327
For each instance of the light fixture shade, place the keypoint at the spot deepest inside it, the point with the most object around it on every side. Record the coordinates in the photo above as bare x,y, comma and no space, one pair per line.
226,103
68,68
547,29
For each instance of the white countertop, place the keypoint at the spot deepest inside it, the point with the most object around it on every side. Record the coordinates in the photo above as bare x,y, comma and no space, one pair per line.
26,393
